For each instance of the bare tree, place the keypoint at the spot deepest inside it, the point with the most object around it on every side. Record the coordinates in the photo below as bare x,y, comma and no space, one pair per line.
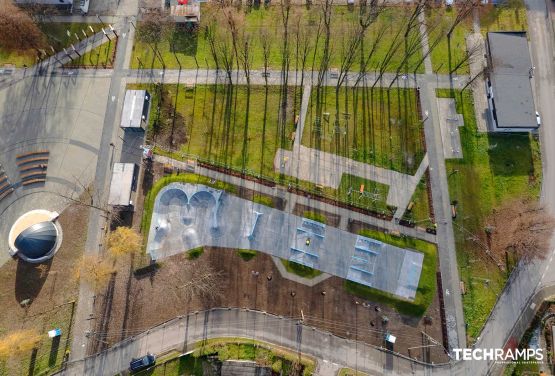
195,280
265,41
94,271
246,63
520,228
155,26
469,56
18,31
464,10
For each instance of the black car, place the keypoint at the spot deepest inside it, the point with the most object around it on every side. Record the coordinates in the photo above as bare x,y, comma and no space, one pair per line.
138,364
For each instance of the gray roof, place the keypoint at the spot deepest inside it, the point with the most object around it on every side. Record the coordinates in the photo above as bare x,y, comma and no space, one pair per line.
135,109
37,240
512,90
121,186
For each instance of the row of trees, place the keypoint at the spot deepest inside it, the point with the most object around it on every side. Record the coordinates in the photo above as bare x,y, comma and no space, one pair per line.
316,41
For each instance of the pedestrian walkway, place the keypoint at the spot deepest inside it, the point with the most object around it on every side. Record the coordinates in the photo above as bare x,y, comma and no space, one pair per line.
425,44
449,123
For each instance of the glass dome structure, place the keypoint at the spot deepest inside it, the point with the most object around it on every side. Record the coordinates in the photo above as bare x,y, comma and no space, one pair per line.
37,241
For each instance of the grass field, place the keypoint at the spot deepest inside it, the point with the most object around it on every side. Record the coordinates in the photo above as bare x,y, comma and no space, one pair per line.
426,286
56,35
373,197
420,212
305,29
213,123
495,168
447,54
100,57
280,361
510,17
300,270
379,127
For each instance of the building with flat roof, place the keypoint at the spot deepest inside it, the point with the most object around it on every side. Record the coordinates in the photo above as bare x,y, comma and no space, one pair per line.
58,4
136,107
184,11
510,97
124,178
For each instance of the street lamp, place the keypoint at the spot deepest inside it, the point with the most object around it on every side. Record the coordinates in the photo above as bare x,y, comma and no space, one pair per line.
255,275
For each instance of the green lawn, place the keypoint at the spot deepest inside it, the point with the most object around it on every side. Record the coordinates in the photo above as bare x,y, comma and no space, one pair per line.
305,29
380,127
300,270
420,212
100,57
426,286
212,122
373,196
56,35
495,168
50,351
510,17
448,54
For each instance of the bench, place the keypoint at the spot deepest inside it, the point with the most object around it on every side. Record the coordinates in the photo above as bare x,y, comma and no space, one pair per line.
34,173
25,155
3,178
4,185
6,192
33,181
33,167
37,159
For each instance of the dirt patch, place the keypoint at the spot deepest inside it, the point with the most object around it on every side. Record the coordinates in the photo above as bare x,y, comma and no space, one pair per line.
136,301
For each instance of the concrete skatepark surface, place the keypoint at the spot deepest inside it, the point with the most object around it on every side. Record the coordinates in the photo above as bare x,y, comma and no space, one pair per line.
187,216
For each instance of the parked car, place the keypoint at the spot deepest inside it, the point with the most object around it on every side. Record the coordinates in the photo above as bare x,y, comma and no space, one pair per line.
138,364
538,119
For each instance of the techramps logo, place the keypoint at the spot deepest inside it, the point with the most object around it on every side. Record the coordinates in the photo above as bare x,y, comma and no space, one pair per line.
502,356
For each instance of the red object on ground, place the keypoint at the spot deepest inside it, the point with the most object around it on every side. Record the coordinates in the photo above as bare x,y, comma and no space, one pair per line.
182,2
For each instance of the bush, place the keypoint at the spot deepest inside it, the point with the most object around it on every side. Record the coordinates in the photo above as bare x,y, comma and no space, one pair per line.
315,216
300,270
195,253
246,254
264,200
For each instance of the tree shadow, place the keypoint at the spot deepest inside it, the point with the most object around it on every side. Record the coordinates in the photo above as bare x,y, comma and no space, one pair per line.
30,279
53,357
185,40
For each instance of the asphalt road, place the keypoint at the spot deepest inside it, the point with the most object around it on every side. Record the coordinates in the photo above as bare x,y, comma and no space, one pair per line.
102,177
184,332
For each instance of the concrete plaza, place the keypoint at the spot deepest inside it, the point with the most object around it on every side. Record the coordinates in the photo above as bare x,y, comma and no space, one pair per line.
188,216
63,115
